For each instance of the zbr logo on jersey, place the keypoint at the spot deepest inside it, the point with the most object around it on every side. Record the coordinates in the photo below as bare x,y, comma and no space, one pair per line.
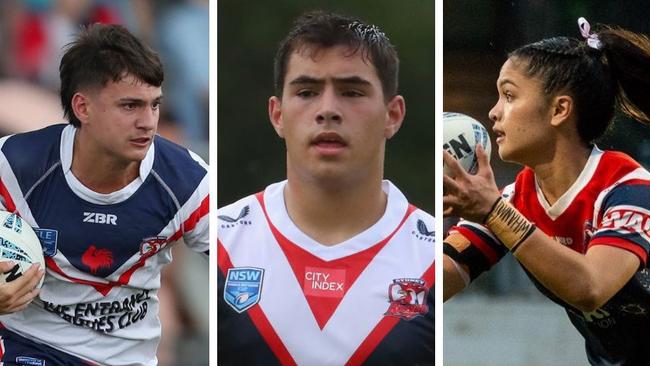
408,298
100,218
243,287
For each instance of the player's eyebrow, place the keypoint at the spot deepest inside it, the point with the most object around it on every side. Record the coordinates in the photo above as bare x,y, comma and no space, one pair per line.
304,79
352,80
502,82
138,100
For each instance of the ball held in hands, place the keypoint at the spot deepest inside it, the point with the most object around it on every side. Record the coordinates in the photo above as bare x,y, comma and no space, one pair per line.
461,135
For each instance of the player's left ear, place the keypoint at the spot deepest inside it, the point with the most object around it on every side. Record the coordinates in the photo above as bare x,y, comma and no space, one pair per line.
80,106
275,115
395,112
561,109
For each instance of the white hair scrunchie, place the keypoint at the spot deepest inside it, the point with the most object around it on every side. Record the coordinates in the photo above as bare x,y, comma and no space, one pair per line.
592,39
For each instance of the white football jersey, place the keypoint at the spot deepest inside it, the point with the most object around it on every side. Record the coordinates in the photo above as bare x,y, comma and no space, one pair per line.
286,299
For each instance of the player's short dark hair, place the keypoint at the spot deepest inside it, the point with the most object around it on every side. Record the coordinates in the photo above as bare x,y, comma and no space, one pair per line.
103,53
615,74
325,30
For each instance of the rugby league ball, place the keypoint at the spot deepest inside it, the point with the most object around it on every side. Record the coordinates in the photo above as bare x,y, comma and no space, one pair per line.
461,135
18,244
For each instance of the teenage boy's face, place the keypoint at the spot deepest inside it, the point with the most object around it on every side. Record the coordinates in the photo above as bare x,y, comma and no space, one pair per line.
123,118
333,115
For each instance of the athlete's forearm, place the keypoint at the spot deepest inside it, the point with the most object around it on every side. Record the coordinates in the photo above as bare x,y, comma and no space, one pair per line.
453,281
585,281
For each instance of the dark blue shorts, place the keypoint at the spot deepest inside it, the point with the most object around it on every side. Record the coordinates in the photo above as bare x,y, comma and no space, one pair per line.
16,350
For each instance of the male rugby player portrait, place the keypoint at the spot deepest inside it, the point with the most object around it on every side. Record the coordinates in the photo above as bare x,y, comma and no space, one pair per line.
331,265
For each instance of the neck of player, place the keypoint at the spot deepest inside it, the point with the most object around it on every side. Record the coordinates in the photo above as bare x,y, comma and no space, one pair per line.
333,213
557,174
98,170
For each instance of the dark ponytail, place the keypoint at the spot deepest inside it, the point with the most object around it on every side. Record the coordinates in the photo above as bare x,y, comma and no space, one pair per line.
628,56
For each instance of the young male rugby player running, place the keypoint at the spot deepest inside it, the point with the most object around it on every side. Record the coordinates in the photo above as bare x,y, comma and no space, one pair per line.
109,198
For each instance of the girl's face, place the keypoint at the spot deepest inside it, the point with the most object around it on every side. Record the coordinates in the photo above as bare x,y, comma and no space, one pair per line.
521,116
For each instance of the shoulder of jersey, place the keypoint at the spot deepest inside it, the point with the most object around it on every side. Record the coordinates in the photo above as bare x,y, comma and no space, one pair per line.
173,155
32,153
38,145
422,225
182,170
424,216
238,215
615,158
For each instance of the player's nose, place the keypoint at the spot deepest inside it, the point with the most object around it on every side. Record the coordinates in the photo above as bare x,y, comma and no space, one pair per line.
329,108
148,119
495,112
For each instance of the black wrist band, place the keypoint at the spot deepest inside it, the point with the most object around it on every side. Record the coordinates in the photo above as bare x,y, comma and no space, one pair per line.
516,246
491,209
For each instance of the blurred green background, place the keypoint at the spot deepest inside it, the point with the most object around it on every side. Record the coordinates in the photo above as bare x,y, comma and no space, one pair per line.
250,154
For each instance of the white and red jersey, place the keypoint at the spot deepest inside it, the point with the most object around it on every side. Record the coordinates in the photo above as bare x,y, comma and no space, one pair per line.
286,299
608,204
104,252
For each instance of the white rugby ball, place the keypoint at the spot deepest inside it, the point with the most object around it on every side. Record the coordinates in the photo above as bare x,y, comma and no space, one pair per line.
18,244
461,135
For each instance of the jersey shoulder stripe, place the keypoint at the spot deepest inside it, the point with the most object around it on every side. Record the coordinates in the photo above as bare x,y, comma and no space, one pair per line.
30,165
178,169
631,193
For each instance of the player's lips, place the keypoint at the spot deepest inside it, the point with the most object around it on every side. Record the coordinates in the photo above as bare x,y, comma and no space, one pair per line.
329,143
141,141
500,135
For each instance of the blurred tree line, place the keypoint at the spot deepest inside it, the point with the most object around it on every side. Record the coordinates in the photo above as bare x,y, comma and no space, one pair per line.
250,154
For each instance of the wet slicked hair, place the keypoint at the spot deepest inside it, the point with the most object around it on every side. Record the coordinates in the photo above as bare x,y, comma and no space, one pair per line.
103,53
599,80
317,30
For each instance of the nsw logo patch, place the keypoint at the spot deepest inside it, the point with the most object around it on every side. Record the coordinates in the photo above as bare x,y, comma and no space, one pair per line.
243,287
29,361
48,238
